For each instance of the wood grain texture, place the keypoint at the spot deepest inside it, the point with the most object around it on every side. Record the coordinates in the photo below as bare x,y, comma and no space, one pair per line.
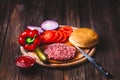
37,13
103,16
4,18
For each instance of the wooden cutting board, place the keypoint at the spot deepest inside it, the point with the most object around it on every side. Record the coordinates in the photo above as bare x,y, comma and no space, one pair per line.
79,58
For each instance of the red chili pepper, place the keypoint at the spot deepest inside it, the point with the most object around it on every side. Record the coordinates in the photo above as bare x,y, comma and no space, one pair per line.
29,39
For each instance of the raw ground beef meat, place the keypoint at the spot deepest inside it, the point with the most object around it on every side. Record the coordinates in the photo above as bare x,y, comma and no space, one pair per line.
60,51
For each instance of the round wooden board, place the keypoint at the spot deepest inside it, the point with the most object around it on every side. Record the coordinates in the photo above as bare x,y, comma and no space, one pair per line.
79,58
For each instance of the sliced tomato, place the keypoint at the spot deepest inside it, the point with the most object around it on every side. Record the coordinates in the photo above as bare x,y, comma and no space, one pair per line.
64,38
66,29
47,36
56,35
60,36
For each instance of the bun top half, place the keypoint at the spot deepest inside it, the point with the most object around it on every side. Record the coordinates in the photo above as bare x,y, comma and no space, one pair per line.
84,37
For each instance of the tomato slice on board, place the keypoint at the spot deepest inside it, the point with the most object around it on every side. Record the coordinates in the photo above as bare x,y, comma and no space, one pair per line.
56,35
47,36
66,29
60,36
64,38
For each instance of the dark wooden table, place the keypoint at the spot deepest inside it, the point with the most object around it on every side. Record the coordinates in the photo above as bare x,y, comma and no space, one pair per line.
101,15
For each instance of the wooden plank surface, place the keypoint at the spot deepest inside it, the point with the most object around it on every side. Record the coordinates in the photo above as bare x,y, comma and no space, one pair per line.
103,16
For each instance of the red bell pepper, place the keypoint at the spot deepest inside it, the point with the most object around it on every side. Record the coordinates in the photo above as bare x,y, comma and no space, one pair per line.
29,39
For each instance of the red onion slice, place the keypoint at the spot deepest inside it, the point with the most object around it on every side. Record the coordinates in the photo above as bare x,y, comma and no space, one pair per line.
35,27
49,25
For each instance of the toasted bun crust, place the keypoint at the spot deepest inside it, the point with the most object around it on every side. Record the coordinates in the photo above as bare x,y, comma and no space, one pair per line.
84,37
